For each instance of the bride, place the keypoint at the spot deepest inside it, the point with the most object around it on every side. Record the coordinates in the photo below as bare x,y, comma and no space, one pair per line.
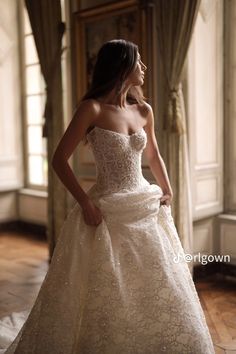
113,285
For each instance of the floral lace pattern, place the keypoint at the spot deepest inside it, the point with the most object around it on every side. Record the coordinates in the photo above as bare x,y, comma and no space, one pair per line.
118,159
115,288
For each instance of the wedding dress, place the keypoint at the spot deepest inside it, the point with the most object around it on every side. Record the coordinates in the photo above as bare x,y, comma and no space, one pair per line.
115,288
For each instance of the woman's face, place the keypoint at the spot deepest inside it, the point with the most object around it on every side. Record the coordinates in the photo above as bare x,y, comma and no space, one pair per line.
136,77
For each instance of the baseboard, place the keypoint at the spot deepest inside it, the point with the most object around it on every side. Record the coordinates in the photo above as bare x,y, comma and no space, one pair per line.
228,269
36,230
202,271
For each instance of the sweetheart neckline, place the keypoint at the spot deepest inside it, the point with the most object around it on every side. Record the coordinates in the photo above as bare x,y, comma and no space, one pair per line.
114,132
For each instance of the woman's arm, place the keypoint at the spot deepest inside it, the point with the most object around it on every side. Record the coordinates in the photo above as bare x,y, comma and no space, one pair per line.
153,156
84,116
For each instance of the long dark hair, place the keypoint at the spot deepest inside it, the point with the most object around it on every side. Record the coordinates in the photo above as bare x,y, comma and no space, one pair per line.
116,59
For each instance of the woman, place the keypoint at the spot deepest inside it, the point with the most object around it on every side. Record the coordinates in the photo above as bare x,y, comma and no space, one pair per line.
113,285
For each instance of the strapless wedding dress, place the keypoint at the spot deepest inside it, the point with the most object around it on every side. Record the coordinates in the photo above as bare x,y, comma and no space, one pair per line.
116,288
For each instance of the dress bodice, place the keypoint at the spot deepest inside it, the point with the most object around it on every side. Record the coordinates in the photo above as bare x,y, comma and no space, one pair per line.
118,159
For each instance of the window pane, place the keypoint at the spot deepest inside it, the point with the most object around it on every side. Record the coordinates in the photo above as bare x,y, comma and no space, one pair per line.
45,171
35,140
31,56
44,145
34,109
63,10
35,144
36,170
33,79
27,26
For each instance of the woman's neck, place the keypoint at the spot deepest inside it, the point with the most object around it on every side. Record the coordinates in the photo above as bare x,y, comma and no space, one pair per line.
120,100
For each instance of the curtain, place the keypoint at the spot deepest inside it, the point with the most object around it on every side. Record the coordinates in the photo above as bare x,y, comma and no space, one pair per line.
175,23
48,29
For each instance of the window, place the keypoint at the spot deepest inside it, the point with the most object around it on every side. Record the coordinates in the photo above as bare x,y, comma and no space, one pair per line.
205,109
34,102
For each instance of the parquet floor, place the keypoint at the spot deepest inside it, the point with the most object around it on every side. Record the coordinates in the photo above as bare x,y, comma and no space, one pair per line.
24,263
218,298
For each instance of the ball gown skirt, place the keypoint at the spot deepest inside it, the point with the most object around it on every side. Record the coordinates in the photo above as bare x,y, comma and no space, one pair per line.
116,288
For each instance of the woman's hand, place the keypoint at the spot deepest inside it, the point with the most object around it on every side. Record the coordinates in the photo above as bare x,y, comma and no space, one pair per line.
166,199
91,213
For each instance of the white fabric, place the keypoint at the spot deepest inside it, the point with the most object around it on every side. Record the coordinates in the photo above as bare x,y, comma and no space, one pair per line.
115,288
10,326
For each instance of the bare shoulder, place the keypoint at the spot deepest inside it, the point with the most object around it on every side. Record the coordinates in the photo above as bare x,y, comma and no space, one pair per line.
146,112
145,108
90,107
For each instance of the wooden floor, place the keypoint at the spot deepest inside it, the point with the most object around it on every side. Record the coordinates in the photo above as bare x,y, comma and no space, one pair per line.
218,298
24,263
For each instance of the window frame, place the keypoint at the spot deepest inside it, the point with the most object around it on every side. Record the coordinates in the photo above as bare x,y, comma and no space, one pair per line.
24,96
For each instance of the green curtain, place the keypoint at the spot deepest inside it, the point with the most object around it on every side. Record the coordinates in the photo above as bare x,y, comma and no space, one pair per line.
48,29
175,23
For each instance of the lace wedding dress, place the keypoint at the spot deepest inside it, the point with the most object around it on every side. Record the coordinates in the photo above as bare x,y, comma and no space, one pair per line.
115,288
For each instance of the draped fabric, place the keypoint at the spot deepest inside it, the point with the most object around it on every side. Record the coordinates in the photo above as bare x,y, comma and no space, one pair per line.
175,23
48,29
122,286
